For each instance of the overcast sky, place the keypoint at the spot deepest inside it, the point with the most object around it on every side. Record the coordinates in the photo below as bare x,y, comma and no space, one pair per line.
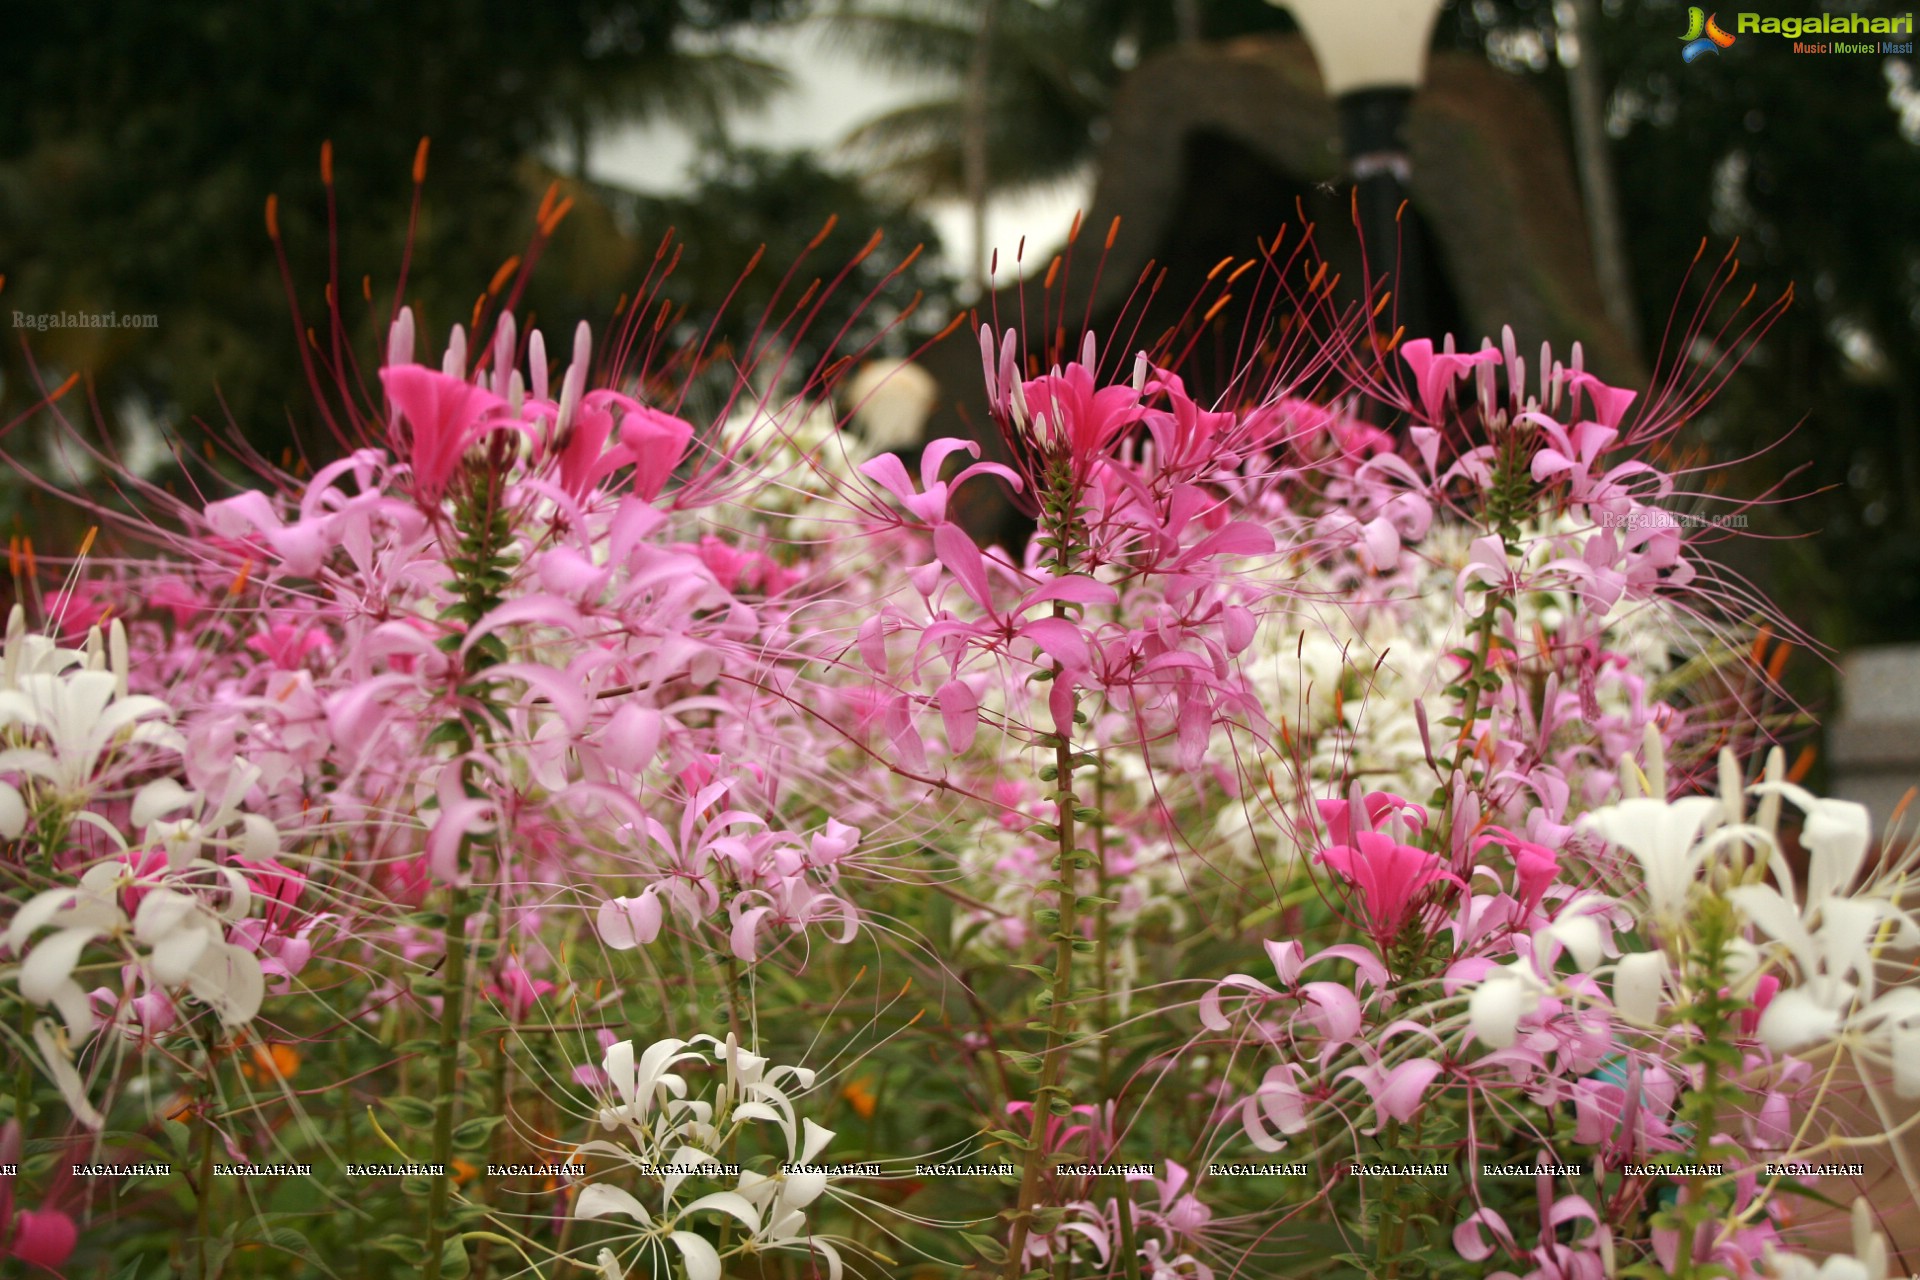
832,93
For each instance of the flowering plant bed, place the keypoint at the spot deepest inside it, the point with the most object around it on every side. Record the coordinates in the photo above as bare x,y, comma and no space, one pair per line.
565,833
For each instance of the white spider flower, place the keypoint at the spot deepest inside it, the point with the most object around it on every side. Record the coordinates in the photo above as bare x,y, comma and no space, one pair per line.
673,1131
1664,837
72,722
176,936
1832,935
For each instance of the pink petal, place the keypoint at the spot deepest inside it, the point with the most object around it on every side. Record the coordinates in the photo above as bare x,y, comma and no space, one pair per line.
960,710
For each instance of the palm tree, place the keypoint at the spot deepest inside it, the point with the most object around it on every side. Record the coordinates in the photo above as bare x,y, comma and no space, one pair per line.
1023,86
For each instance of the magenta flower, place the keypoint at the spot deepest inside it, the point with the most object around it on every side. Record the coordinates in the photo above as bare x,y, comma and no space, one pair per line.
444,415
278,885
1391,878
1435,372
657,442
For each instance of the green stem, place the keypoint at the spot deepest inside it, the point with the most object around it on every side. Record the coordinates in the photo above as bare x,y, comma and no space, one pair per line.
1063,532
203,1193
452,1010
1053,1057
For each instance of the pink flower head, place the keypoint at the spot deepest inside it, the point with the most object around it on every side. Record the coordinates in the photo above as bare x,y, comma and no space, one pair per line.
1381,806
517,992
930,502
657,442
288,646
278,885
42,1237
1534,865
444,416
1390,877
1069,415
1435,372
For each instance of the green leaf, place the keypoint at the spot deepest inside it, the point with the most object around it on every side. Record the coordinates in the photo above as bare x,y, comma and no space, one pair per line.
406,1248
179,1137
475,1132
1009,1138
412,1112
453,1259
986,1246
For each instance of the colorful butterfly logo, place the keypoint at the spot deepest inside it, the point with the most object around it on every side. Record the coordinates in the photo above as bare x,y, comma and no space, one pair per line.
1703,34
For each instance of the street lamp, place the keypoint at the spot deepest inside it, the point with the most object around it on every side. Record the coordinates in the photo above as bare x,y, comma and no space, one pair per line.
1372,56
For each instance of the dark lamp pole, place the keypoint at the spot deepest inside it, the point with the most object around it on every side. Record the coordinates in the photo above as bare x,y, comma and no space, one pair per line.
1373,56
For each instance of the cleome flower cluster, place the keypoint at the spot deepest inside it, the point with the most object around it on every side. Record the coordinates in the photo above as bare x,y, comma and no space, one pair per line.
564,831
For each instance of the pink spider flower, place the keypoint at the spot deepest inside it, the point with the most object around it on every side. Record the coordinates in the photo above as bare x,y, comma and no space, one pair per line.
288,646
518,991
444,416
1391,878
1061,414
278,886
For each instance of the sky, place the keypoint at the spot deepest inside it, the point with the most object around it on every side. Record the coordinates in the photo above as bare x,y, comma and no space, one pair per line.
832,93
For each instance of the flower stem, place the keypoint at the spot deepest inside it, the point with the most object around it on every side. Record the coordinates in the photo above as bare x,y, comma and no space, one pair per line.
1053,1057
452,1010
1064,532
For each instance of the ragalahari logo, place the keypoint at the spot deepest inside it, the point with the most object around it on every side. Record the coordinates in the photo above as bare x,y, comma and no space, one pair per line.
1703,34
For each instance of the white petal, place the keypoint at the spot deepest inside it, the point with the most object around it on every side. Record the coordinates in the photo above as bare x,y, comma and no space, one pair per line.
38,910
261,839
728,1202
13,813
50,965
1906,1061
176,954
1836,834
802,1189
626,923
601,1199
1638,983
1777,918
61,1069
702,1262
1580,935
816,1139
610,1268
162,913
1795,1019
1496,1007
76,1010
229,980
832,1256
158,799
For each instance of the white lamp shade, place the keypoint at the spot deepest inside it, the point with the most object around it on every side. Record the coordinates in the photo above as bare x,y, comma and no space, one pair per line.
1367,44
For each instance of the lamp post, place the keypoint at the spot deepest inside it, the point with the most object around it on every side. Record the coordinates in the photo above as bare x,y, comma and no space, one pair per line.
1372,56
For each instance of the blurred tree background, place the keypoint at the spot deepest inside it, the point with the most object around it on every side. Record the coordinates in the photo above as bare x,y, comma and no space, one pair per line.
137,144
1814,163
